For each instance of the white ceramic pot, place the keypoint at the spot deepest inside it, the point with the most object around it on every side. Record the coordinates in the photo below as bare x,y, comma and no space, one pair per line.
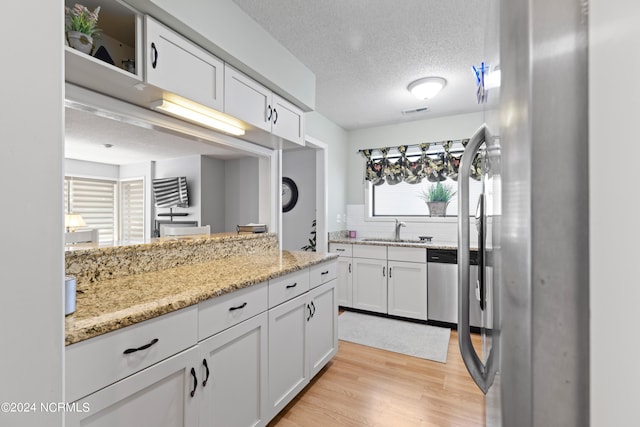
80,41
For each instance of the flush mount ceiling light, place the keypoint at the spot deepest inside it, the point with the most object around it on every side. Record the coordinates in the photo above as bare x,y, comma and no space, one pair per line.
199,115
427,87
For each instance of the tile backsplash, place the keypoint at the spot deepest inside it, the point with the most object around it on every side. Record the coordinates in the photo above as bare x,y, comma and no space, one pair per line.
444,231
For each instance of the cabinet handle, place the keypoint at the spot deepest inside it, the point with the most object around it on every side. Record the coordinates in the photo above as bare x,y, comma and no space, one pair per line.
349,267
309,308
313,306
206,366
154,51
339,250
243,305
270,113
144,347
195,382
324,272
275,116
292,286
383,271
389,272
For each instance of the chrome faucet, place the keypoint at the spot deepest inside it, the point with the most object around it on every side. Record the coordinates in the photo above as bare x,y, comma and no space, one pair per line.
398,225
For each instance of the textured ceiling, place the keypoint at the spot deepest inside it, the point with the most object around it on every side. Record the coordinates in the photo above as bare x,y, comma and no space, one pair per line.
365,53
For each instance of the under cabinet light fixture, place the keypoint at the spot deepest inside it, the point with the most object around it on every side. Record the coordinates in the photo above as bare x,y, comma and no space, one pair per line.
198,115
427,87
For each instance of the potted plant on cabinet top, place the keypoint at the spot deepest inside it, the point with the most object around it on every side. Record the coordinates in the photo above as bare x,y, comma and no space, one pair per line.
437,198
81,27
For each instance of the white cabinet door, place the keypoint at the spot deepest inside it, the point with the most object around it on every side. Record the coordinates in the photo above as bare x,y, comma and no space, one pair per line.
287,120
288,367
159,396
234,365
322,326
176,65
370,284
345,282
407,287
247,100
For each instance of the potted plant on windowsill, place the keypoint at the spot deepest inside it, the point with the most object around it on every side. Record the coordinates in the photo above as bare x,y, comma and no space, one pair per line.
81,27
437,198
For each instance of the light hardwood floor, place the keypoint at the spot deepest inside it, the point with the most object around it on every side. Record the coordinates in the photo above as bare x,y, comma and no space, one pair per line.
364,386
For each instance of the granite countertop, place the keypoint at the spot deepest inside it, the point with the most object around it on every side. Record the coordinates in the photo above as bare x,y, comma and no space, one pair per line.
409,243
106,305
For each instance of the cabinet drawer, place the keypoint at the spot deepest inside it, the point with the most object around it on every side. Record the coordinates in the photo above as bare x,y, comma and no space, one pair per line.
397,253
220,313
342,249
289,286
370,251
322,273
100,361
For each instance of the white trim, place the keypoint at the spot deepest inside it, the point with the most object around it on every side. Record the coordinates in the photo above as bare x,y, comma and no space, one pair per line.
322,176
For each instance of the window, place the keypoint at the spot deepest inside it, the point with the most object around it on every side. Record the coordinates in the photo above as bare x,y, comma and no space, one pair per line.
132,209
115,209
95,200
402,199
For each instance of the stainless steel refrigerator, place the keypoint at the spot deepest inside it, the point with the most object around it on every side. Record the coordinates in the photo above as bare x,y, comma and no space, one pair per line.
533,220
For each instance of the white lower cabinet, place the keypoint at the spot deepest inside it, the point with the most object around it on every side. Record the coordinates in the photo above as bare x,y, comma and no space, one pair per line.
230,361
370,284
345,282
389,280
163,395
288,367
407,289
322,326
233,368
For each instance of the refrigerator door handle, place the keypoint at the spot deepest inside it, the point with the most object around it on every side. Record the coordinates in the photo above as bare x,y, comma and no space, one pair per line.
482,374
480,287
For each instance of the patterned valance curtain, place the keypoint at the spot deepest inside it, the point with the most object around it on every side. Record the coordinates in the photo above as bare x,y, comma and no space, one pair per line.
412,169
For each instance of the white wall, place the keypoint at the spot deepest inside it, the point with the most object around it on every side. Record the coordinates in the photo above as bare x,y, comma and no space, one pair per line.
300,166
241,192
212,193
183,166
319,127
86,169
31,254
614,37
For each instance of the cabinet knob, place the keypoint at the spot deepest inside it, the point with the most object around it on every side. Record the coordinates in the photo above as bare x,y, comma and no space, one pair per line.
241,306
144,347
195,382
206,366
154,53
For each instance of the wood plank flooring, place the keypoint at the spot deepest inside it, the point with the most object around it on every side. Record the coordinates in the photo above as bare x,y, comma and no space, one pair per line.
364,386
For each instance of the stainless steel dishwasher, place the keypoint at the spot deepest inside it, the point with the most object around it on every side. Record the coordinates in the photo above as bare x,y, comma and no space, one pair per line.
442,287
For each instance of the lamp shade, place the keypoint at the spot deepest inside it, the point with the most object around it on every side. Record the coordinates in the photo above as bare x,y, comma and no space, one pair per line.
427,87
72,221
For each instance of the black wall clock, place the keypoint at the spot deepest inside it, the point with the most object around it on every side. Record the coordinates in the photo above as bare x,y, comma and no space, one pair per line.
289,194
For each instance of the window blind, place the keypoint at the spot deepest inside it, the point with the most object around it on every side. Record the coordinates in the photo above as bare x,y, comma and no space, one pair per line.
96,201
132,209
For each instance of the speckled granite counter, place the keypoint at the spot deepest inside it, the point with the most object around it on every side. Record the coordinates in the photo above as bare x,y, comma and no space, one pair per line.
373,242
107,305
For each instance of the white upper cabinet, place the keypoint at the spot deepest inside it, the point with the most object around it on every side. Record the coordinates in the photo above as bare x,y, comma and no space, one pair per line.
176,65
256,105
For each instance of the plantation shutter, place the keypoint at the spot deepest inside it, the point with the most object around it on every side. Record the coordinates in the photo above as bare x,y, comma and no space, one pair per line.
95,200
132,209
